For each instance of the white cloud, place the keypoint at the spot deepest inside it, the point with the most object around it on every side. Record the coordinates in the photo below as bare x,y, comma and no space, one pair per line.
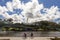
31,10
16,4
9,6
3,12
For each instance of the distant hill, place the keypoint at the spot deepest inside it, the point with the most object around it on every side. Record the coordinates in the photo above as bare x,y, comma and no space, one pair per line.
41,25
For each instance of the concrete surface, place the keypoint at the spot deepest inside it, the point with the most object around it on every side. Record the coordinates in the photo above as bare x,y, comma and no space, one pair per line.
28,38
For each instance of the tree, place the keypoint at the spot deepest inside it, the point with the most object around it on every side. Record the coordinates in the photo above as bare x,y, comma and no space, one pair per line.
0,19
2,23
10,20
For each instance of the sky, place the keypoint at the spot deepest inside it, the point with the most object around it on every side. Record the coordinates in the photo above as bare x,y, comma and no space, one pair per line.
47,3
21,9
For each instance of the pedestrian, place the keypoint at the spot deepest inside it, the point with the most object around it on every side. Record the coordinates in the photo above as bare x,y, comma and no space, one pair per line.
31,34
25,35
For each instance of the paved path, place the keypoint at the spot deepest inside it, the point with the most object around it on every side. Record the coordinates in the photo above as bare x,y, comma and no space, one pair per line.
35,34
28,38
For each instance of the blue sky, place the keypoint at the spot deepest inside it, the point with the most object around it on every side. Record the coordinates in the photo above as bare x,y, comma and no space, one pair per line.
49,3
46,3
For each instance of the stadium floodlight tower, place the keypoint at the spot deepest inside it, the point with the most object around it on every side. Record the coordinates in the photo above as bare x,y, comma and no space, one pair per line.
30,14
